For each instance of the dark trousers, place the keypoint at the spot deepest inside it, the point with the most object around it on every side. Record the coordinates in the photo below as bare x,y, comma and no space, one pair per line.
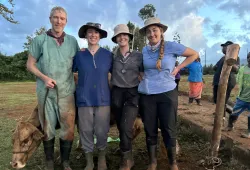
124,105
162,107
228,92
177,84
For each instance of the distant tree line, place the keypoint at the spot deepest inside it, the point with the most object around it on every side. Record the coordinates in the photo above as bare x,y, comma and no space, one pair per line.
14,68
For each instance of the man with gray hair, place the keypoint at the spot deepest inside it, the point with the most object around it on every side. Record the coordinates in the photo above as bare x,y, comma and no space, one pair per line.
50,60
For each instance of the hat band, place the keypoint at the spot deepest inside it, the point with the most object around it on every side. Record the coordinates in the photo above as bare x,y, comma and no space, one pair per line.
94,24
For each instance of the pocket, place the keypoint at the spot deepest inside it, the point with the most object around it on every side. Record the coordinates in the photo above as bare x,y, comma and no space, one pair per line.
116,97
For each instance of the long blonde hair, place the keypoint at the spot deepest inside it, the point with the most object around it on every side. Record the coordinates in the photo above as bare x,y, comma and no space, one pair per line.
158,62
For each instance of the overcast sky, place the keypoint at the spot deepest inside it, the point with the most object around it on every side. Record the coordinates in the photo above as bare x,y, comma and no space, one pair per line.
202,24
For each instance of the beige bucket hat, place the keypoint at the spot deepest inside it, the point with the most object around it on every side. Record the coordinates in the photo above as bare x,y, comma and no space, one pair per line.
121,29
152,21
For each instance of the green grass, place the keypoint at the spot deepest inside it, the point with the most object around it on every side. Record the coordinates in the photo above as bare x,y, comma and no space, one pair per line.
6,125
16,99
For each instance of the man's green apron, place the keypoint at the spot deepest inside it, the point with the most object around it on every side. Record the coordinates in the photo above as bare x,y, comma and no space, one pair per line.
55,62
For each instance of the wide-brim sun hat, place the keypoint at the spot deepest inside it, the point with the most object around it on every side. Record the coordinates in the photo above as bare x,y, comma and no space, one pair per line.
82,31
121,29
152,21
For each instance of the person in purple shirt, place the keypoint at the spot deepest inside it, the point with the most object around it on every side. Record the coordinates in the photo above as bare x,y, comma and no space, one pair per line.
159,97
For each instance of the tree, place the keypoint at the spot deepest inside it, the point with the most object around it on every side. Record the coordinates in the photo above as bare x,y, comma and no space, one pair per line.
147,11
114,48
177,37
138,38
106,47
29,38
131,28
7,13
14,67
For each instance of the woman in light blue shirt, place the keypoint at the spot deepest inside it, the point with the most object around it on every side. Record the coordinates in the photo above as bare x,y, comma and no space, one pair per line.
159,97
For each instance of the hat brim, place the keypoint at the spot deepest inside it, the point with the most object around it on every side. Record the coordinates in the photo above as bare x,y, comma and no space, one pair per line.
143,29
129,34
82,31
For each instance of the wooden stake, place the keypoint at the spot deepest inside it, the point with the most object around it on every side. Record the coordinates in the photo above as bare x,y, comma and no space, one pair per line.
230,60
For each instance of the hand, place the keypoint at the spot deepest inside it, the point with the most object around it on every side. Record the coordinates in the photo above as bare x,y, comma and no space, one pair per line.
82,49
49,83
76,78
175,71
140,77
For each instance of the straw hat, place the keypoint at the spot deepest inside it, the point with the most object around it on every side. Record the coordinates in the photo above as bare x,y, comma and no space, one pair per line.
152,21
96,26
121,29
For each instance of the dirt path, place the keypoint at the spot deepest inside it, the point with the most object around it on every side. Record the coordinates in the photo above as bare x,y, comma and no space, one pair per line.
203,115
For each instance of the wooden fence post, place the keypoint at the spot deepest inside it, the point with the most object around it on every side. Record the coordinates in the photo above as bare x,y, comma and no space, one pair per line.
230,59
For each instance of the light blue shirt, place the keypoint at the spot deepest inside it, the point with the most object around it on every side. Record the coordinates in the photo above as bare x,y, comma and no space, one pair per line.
155,81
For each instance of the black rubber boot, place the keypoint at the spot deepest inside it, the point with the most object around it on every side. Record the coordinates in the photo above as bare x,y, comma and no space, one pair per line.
49,154
232,119
152,153
127,161
172,158
247,135
190,100
65,149
198,101
89,160
102,165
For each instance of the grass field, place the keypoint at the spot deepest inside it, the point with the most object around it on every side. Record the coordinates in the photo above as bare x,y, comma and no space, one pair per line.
18,99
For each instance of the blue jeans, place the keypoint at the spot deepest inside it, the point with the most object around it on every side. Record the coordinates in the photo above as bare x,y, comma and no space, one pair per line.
240,107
